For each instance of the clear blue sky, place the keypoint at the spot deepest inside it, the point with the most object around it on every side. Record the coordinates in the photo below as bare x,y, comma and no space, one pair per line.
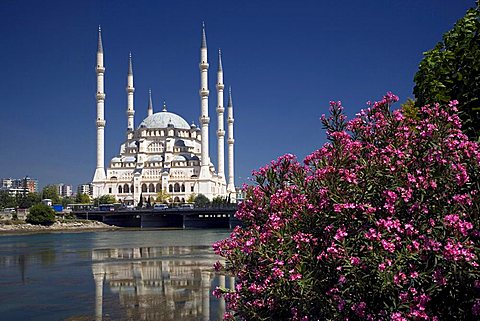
285,60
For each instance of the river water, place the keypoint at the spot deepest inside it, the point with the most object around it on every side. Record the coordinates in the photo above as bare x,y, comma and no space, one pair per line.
111,275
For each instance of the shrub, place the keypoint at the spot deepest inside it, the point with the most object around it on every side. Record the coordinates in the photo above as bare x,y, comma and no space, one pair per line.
41,214
381,223
201,201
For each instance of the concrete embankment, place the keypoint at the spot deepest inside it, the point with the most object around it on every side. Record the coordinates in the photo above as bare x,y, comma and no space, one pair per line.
57,226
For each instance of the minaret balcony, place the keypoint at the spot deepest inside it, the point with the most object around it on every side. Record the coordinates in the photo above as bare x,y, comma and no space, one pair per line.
100,69
204,120
220,132
130,112
220,109
220,86
101,122
230,120
204,92
203,65
100,96
230,141
130,90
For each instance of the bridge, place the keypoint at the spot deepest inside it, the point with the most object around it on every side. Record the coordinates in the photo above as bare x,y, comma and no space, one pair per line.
186,218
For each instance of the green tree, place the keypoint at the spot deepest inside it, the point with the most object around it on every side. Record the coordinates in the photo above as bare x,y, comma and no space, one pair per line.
41,214
51,192
82,198
27,201
140,203
6,200
67,200
104,199
451,71
162,197
219,201
191,198
201,201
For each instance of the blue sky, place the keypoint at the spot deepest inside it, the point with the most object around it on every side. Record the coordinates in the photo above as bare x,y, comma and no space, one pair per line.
285,60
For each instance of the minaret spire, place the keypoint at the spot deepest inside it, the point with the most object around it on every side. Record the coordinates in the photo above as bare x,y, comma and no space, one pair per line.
204,37
100,45
220,117
99,175
231,182
150,103
205,183
130,90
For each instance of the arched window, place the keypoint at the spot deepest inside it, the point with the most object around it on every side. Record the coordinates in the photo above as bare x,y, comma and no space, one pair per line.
158,188
126,189
176,200
177,188
131,188
144,187
170,188
120,189
183,187
183,200
151,188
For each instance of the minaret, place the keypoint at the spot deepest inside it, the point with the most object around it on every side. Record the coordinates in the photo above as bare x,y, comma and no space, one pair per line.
100,69
231,183
220,131
150,104
130,90
204,119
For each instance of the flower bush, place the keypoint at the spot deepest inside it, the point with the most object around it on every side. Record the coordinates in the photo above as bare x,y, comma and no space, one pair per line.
381,223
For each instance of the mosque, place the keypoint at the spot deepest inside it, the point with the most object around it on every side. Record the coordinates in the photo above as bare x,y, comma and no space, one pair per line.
165,153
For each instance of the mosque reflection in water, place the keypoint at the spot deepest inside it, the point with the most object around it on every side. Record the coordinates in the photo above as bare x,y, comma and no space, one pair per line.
159,283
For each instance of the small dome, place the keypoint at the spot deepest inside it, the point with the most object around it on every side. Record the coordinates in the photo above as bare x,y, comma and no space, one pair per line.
116,160
155,159
179,158
164,119
180,143
129,159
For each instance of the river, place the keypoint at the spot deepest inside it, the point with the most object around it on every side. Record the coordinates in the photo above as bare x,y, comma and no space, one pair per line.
111,275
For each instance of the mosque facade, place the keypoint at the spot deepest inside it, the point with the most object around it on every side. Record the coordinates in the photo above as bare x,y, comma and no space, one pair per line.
165,154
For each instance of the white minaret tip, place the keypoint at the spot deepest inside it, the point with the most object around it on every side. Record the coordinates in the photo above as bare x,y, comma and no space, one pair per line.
230,104
100,45
204,37
220,67
130,67
164,106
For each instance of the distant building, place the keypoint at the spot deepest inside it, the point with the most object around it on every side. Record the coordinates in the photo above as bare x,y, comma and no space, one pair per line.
19,185
64,190
85,189
165,152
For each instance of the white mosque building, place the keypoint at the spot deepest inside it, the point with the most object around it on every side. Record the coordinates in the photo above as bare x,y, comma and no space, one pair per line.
165,153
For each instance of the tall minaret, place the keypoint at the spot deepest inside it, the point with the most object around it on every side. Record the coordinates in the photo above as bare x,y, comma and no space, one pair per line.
204,119
150,104
100,69
231,183
130,90
220,131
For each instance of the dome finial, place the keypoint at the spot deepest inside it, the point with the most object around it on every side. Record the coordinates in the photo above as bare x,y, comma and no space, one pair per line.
150,103
164,106
204,37
100,45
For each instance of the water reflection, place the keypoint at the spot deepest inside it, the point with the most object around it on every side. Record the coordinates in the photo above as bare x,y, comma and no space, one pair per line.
159,283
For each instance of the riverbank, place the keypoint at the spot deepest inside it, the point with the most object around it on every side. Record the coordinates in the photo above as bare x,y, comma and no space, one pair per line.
77,225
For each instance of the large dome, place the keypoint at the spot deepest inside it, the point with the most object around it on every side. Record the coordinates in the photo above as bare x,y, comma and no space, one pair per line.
163,119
